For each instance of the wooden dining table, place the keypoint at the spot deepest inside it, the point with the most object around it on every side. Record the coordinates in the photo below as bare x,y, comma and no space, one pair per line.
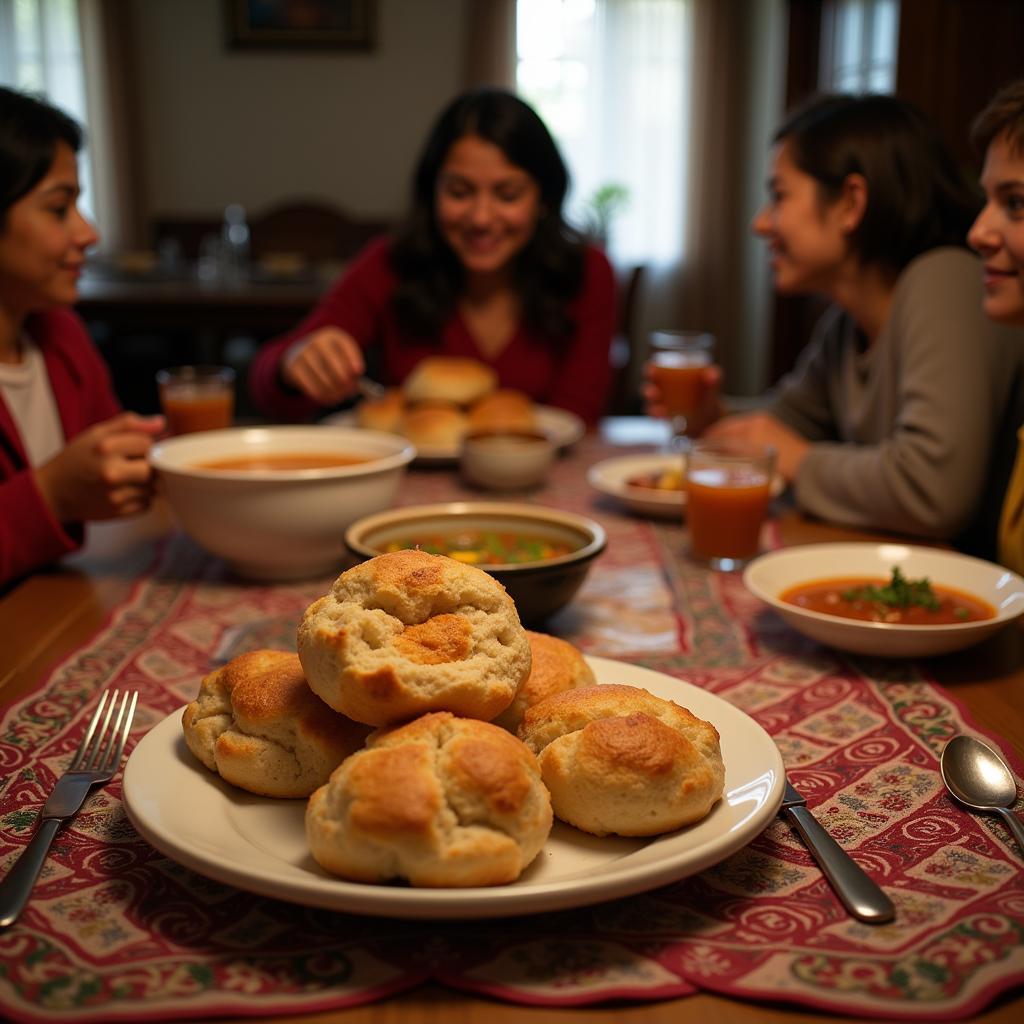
57,611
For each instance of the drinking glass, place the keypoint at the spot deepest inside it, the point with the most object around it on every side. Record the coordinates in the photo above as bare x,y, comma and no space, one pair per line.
196,397
728,488
677,362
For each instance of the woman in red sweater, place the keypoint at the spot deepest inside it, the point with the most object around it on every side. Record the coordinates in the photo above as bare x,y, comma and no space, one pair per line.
484,266
67,452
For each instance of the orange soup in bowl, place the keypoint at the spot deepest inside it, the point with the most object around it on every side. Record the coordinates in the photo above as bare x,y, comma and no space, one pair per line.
896,600
282,461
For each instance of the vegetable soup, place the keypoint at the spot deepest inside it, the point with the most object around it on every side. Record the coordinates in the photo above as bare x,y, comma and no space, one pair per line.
485,547
896,600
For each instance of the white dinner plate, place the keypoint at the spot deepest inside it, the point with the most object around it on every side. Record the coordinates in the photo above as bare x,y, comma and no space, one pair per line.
771,574
258,844
563,427
612,476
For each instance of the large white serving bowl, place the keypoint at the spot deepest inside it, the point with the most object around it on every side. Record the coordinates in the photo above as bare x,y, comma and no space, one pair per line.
278,524
771,574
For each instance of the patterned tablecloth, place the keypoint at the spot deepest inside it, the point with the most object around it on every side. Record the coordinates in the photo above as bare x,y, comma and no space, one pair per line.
116,931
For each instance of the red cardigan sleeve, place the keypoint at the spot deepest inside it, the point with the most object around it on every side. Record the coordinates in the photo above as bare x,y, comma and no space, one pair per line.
355,303
30,536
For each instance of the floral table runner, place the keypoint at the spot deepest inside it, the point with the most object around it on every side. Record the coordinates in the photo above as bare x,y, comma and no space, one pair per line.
116,931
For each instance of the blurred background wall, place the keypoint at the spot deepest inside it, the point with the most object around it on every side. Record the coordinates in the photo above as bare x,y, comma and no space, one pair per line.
181,123
219,125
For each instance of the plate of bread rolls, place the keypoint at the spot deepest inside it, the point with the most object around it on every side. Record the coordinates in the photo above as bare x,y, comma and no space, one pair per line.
419,754
447,397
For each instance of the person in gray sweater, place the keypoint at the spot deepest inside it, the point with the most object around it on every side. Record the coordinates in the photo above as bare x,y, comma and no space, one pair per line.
900,413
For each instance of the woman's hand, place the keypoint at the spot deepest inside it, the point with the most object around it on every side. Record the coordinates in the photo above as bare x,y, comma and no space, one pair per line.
324,365
102,473
763,428
710,408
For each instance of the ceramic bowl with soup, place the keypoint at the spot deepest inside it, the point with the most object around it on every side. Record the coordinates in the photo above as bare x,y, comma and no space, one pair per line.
274,502
897,600
540,555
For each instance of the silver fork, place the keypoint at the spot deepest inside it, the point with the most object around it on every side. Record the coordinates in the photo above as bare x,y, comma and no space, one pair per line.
95,761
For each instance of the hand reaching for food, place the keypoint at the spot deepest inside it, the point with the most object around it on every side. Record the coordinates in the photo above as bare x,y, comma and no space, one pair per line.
324,365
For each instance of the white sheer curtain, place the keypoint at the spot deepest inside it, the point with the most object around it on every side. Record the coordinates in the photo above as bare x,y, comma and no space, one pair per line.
41,53
610,79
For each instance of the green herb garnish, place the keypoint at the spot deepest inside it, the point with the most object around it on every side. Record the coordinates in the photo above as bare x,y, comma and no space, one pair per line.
899,592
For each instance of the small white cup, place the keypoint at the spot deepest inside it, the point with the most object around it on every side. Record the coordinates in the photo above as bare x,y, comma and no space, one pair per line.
506,460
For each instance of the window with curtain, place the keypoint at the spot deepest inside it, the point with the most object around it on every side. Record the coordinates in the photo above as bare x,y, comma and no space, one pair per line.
610,79
41,53
859,43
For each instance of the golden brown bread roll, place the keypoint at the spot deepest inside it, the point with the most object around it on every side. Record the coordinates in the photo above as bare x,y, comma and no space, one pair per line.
556,666
257,723
449,379
384,413
409,632
441,801
434,425
503,410
620,760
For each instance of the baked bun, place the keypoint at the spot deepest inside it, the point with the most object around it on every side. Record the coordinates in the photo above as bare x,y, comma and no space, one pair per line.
260,727
384,413
409,632
434,425
503,410
556,666
441,801
619,760
449,379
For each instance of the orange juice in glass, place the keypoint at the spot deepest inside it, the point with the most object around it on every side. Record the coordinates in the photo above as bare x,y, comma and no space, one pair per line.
677,362
197,397
728,488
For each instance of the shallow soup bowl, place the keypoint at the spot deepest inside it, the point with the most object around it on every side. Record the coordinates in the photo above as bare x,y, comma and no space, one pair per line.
540,586
772,574
274,502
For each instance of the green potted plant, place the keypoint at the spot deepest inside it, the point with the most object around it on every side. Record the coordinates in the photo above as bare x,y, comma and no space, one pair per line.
601,207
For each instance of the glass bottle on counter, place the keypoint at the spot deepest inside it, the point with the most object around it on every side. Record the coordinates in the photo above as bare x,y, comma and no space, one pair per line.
234,249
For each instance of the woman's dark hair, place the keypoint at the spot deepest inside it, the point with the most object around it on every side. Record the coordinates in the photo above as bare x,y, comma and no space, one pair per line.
548,270
1003,118
917,197
29,132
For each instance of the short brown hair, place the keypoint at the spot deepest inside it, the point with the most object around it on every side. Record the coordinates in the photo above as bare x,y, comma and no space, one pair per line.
1003,118
918,199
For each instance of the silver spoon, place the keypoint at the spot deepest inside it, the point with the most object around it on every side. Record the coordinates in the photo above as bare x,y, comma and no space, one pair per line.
978,777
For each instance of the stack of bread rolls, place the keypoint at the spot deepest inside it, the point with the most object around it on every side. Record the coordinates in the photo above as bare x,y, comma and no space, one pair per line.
443,399
436,738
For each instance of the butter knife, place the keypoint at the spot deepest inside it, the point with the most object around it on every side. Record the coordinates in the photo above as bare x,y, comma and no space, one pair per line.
370,388
861,896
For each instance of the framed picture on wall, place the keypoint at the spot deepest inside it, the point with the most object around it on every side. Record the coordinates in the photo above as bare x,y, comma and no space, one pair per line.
300,24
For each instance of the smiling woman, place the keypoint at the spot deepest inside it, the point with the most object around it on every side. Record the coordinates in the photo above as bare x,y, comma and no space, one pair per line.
484,267
892,419
998,235
66,454
998,232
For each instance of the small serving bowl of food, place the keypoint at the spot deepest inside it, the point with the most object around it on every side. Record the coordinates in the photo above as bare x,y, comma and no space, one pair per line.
890,600
274,502
506,459
540,555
